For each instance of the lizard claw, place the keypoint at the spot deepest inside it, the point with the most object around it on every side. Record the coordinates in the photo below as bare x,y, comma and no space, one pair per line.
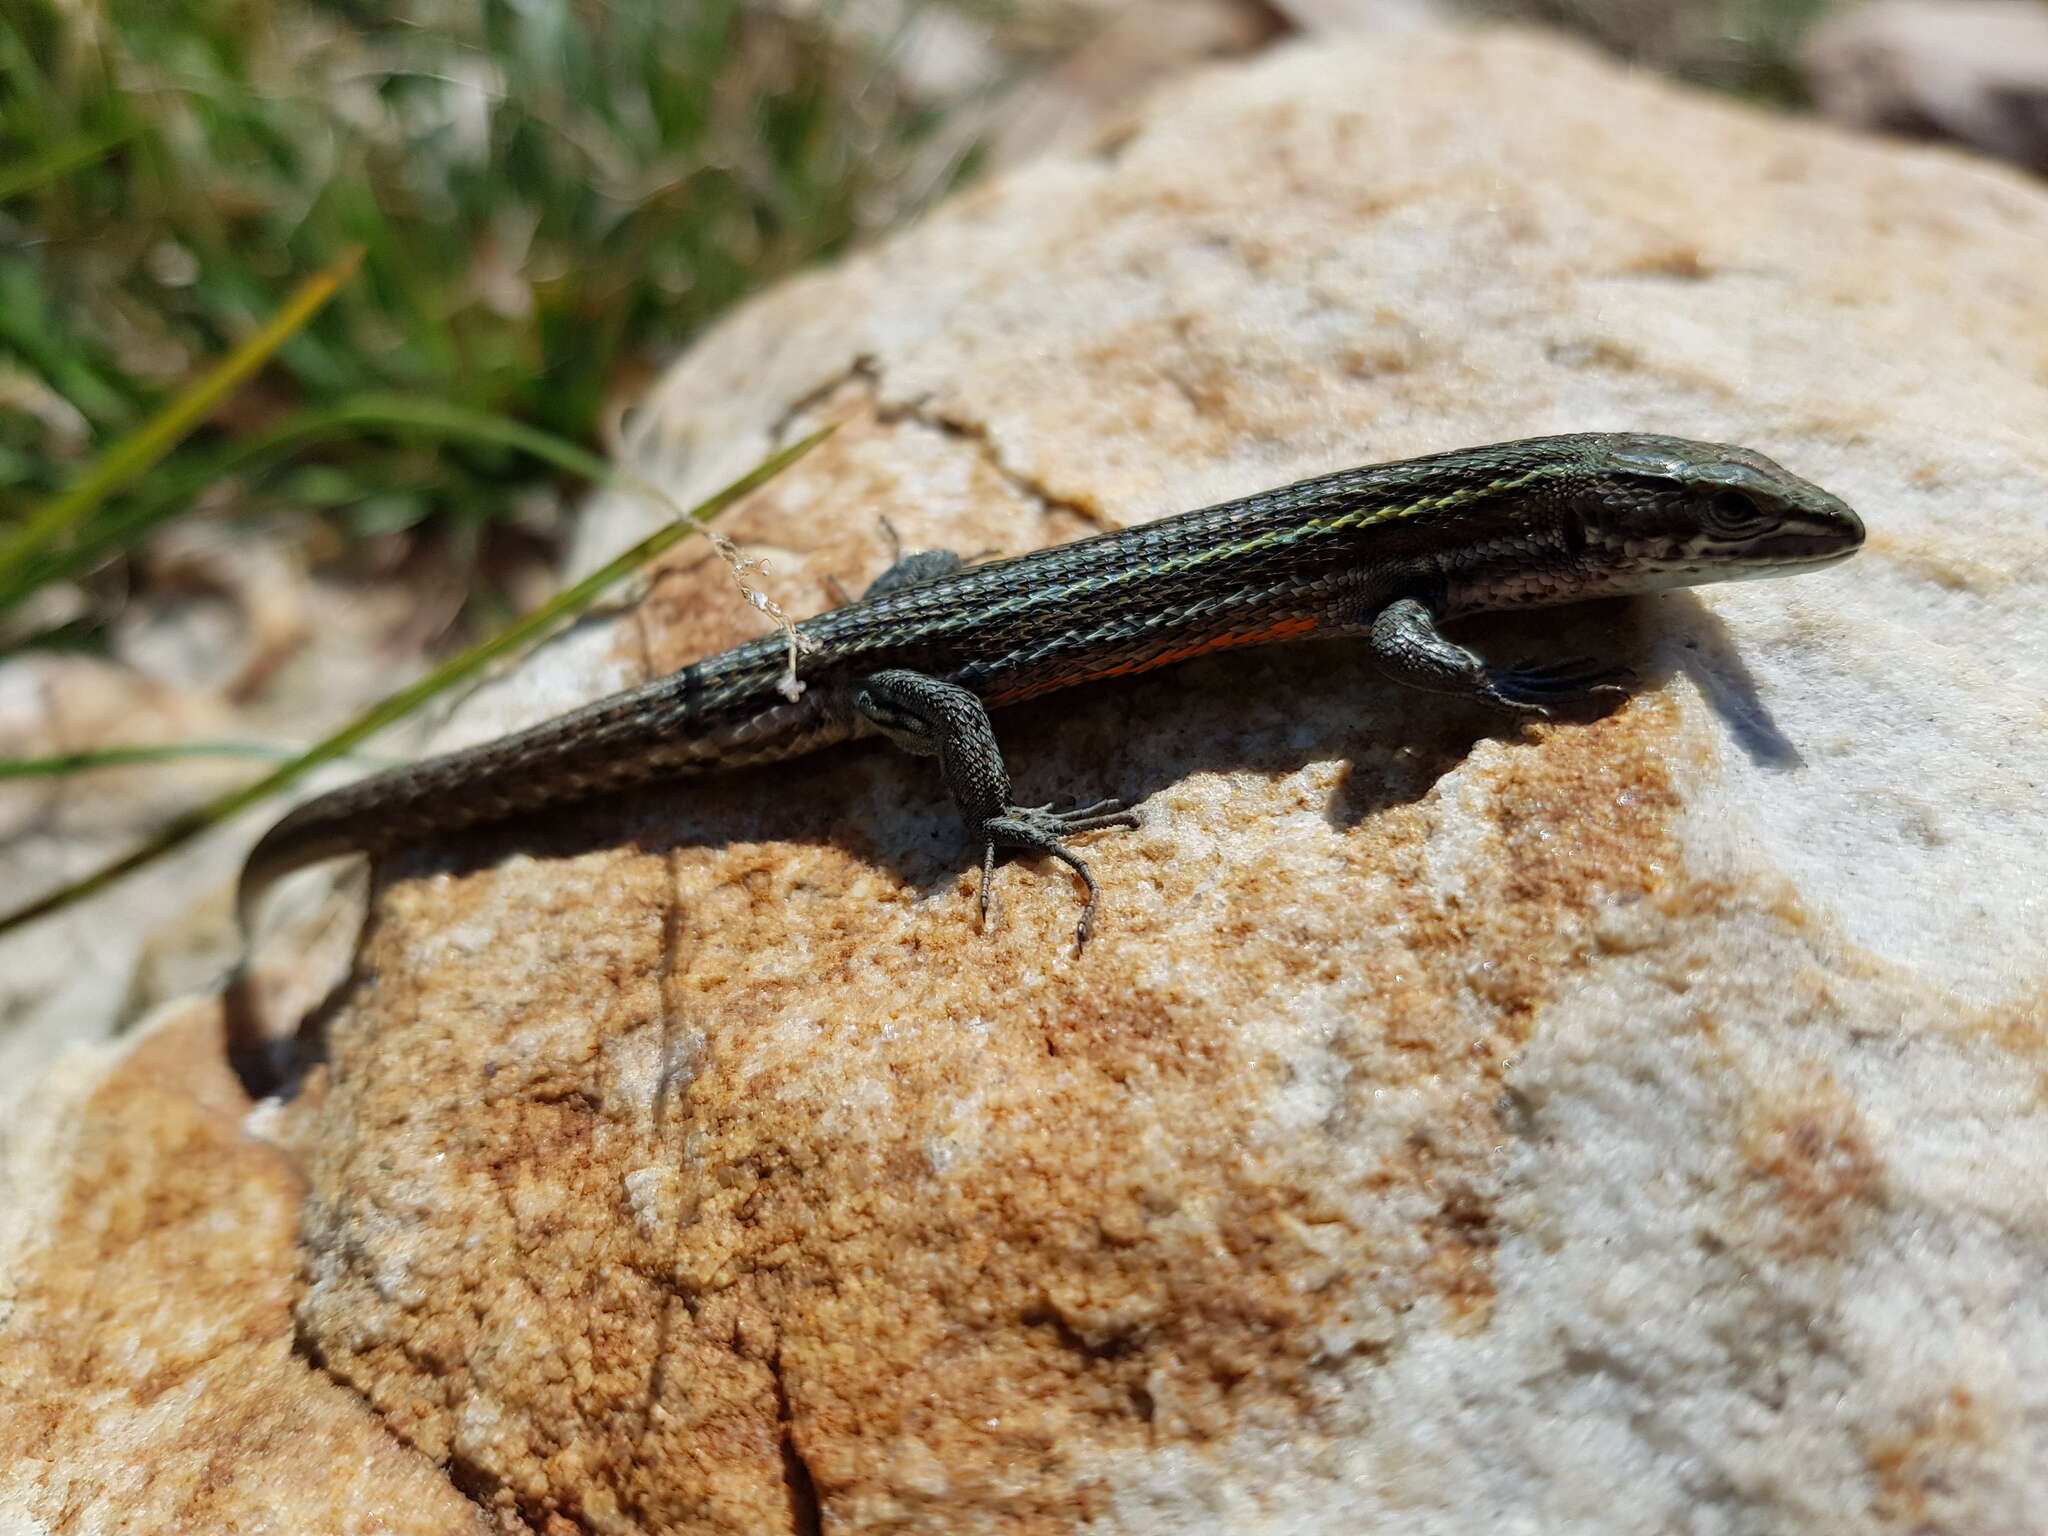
1082,818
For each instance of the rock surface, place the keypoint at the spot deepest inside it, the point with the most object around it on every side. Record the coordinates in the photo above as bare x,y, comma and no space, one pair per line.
1971,70
147,1376
173,676
1633,1125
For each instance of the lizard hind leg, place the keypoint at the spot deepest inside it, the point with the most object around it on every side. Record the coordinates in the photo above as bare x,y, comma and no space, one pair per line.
905,570
1039,828
934,718
914,570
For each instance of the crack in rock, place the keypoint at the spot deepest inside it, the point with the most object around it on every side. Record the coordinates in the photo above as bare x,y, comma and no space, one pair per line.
866,370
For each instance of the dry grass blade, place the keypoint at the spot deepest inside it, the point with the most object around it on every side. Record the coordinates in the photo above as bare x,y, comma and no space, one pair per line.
135,453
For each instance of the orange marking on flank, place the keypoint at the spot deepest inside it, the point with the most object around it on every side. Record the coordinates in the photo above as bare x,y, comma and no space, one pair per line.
1279,629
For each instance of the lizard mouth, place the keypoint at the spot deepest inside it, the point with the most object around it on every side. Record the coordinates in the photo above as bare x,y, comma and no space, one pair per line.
1807,540
1821,543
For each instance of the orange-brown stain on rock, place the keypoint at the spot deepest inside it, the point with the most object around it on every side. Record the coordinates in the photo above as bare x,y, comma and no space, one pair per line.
1583,819
720,1178
147,1378
2019,1027
1925,1468
1815,1157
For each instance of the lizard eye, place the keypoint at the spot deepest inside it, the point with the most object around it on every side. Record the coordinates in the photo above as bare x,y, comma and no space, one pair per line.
1732,513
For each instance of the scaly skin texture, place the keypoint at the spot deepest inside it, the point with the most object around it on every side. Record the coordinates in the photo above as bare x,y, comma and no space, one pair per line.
1383,553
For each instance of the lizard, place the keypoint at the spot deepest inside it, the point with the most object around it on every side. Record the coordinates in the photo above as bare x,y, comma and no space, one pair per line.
1386,554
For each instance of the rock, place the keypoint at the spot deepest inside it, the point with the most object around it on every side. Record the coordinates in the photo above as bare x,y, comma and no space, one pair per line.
173,678
1318,17
147,1266
1971,70
67,980
1632,1124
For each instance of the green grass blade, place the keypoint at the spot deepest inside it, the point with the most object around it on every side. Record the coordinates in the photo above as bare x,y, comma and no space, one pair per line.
565,605
142,448
58,764
58,161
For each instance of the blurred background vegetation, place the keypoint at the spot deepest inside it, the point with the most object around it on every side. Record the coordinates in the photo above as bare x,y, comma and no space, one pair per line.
1748,48
550,199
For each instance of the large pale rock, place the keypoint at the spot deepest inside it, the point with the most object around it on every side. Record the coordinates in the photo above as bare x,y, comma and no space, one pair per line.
1624,1126
178,665
1971,70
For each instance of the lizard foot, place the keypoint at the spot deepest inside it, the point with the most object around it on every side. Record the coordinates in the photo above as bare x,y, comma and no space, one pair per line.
1040,828
1536,690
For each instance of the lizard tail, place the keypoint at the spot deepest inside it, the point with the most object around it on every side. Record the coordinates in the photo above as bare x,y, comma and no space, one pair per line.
304,837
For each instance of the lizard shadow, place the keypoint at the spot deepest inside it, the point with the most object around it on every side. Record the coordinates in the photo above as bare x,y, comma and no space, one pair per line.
1709,657
272,1065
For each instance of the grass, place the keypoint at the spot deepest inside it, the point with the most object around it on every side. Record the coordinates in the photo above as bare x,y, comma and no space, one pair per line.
1748,48
550,198
60,516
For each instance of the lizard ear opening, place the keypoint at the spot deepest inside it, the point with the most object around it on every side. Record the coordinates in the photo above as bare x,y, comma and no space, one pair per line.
1572,530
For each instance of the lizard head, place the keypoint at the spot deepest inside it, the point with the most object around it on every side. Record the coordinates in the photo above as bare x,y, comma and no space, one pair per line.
1660,512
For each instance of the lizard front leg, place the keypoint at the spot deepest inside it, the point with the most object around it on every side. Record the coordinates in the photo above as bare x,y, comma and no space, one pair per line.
934,718
1410,649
